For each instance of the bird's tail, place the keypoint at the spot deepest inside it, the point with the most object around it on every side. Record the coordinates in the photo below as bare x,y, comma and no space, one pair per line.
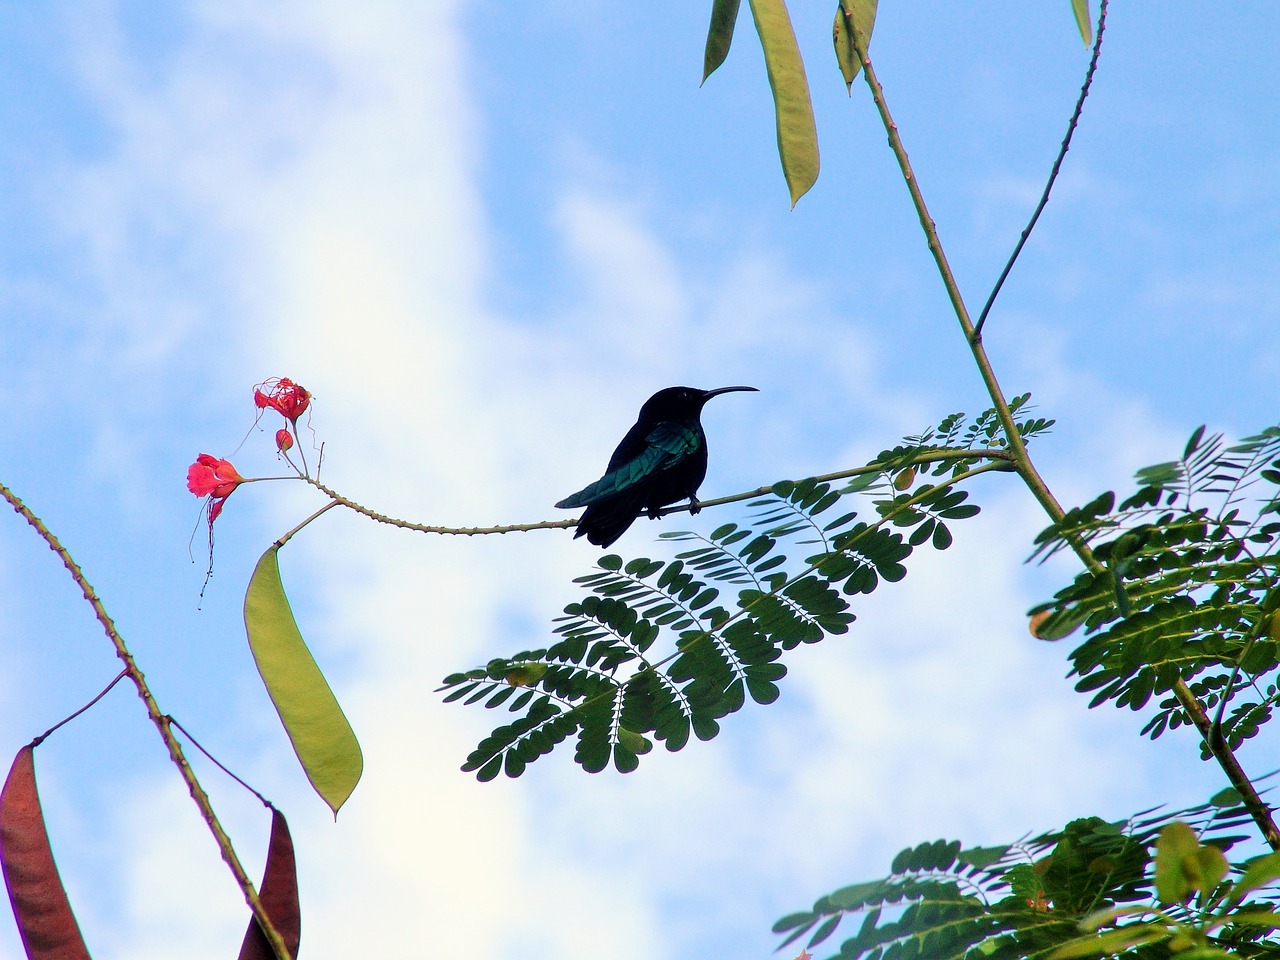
605,521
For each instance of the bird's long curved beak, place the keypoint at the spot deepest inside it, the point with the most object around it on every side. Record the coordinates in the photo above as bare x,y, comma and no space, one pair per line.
719,390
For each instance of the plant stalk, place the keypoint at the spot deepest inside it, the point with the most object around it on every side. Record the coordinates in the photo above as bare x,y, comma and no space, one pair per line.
1026,469
160,721
1022,460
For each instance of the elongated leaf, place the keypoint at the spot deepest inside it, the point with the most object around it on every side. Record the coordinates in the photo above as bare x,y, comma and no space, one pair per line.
863,15
724,14
1081,9
797,131
48,927
321,736
279,896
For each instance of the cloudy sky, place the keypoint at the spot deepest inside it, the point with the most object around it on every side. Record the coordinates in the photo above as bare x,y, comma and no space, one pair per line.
482,236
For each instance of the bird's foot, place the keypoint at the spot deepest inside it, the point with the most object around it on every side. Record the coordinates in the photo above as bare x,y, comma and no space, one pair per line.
694,506
653,512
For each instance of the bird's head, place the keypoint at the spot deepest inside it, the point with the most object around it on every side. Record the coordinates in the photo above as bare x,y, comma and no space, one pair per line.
678,402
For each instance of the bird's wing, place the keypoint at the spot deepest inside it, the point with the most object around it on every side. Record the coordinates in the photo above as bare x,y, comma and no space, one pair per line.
666,445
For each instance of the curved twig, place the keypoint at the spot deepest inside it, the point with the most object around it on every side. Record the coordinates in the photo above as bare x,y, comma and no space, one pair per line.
937,456
1053,174
67,719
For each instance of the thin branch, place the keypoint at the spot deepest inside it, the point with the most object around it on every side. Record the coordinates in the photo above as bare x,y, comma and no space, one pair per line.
159,720
1053,174
282,540
218,763
935,456
65,720
339,499
1017,447
1226,758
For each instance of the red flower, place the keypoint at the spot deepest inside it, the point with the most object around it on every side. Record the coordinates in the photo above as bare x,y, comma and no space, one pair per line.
282,395
284,440
216,479
211,477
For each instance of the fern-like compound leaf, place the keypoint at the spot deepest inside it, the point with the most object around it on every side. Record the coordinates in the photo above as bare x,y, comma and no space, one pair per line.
1187,590
665,650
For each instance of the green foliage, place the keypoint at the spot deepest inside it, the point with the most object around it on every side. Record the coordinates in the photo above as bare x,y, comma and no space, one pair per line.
1199,913
1184,588
1047,896
665,650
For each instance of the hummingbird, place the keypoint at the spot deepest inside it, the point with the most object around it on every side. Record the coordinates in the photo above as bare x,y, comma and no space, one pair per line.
661,460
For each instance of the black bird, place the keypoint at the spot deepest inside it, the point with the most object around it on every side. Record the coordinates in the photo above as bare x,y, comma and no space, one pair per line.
662,459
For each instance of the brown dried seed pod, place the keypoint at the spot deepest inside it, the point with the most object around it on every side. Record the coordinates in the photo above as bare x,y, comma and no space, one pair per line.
45,921
279,896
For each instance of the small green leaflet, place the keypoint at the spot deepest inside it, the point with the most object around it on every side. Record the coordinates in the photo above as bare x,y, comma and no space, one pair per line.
321,736
724,14
863,15
1081,9
797,131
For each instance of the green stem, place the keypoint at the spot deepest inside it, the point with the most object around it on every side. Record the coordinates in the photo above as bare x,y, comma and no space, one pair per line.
1017,446
159,720
282,540
1022,460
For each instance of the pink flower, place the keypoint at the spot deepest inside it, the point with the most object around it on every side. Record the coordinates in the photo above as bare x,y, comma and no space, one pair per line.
211,477
216,479
282,395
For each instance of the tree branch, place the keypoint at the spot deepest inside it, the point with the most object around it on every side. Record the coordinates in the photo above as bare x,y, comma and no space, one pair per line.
159,720
1221,752
935,456
1017,447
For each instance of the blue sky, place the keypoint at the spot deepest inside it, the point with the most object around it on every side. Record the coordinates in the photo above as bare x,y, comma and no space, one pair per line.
482,238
